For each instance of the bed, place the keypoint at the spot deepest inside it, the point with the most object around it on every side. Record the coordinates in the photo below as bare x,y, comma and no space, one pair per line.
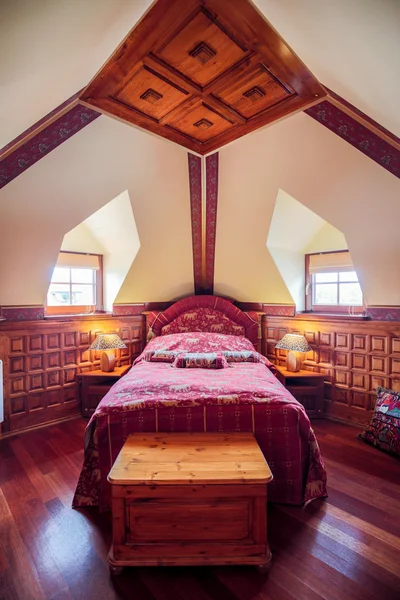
245,395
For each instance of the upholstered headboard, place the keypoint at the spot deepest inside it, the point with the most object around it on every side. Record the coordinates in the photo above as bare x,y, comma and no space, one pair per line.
205,313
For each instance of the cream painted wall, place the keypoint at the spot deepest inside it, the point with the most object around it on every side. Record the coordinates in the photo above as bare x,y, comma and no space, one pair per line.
81,239
115,226
53,49
74,181
327,175
327,239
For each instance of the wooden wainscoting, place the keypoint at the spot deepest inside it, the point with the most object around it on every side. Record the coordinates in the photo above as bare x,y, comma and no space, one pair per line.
42,359
356,356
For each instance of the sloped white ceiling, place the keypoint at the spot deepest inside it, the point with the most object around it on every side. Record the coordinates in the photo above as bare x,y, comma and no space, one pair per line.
50,49
351,46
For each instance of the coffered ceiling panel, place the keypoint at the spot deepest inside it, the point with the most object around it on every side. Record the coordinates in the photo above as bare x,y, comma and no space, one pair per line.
202,73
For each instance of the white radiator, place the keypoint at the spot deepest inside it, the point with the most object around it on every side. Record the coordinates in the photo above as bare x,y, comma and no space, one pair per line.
1,393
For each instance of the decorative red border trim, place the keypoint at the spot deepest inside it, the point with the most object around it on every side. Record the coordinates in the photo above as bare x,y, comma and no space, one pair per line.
194,163
383,313
49,138
123,310
211,165
22,313
360,137
279,310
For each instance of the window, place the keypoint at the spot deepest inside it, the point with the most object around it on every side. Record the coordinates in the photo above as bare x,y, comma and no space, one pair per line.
332,283
75,285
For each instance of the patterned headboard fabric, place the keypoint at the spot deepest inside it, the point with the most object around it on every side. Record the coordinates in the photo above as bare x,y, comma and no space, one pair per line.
205,313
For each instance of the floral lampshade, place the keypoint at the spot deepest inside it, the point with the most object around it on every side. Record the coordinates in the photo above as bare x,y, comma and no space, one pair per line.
107,341
292,341
297,346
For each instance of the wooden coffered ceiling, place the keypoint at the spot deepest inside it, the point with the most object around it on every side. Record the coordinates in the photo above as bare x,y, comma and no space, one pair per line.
202,73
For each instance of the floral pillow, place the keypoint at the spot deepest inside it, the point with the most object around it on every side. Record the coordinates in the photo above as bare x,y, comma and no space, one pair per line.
245,356
167,356
384,428
200,360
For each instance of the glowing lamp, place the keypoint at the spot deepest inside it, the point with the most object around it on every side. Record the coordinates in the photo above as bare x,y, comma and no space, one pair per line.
107,342
297,347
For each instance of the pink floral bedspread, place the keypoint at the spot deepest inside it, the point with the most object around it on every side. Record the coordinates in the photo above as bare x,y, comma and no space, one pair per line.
242,397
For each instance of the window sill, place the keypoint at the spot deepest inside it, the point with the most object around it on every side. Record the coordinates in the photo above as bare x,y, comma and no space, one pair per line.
334,316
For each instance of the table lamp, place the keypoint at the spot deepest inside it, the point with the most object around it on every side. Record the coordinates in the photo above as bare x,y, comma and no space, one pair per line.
107,342
297,347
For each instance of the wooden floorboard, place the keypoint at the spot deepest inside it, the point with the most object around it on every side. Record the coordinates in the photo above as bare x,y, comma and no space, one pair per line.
346,547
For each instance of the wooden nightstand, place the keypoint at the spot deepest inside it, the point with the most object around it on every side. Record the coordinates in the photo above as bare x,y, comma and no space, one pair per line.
307,387
94,385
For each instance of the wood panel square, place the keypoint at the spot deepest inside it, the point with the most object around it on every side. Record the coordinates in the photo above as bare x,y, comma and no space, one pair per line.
70,357
272,333
53,360
36,402
379,365
151,94
71,393
342,359
342,341
35,362
325,357
360,400
271,348
341,396
136,333
36,381
84,338
360,381
17,365
360,362
395,384
54,341
125,334
377,381
255,91
360,342
325,338
55,397
83,357
17,345
379,343
395,345
311,337
36,343
70,375
201,50
342,378
18,405
69,339
191,123
395,366
17,384
54,378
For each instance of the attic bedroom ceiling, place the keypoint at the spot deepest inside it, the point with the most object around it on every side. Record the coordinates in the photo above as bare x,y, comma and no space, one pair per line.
202,73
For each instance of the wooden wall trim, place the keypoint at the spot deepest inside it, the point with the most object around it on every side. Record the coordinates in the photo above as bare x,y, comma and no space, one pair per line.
43,358
356,356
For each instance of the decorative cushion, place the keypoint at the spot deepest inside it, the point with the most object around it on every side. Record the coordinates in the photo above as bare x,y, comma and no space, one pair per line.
237,357
167,356
200,360
384,428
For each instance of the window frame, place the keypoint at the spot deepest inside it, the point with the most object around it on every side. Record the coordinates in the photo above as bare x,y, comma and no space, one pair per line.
326,308
80,309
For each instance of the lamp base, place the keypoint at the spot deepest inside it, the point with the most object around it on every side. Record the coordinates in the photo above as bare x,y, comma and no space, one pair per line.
294,360
107,361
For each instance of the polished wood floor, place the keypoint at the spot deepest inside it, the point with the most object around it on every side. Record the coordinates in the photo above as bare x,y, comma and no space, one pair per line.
344,548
